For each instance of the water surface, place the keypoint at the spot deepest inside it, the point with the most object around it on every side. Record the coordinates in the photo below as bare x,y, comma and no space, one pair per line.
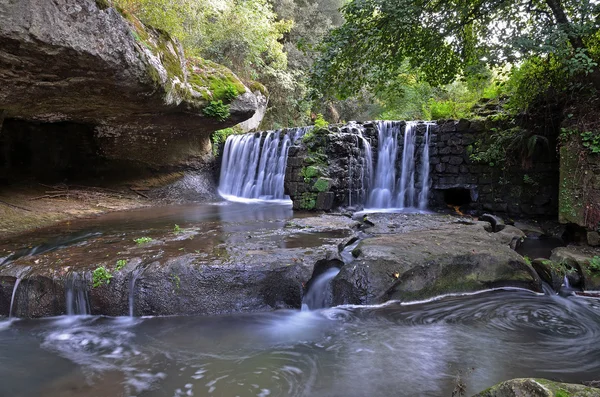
392,350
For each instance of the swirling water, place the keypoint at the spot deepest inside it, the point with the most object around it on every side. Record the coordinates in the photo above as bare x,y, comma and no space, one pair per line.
390,350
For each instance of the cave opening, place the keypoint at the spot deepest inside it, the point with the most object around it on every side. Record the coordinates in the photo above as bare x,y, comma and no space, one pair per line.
457,196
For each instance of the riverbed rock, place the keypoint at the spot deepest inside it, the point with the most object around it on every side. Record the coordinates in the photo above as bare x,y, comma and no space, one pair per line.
527,387
428,256
213,269
585,260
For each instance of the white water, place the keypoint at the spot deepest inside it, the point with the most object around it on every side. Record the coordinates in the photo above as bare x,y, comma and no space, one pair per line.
317,295
77,296
134,276
253,166
389,192
12,299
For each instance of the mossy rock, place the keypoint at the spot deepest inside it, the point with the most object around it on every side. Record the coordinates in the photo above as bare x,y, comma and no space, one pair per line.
538,388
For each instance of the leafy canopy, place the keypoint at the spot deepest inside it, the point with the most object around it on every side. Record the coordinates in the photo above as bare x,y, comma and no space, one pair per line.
447,38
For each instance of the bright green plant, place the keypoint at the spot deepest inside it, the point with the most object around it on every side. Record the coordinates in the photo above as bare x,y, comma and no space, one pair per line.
176,229
591,141
217,109
101,276
142,240
121,263
594,264
320,122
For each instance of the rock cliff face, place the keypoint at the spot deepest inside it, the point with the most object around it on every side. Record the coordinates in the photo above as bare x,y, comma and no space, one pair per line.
139,98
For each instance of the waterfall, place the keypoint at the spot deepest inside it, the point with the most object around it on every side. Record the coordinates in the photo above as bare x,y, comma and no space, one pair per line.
404,192
12,298
317,295
424,195
133,278
253,165
77,295
385,174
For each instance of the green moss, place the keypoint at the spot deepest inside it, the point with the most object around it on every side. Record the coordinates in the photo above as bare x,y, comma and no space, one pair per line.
103,4
321,185
310,172
214,81
255,86
570,204
308,201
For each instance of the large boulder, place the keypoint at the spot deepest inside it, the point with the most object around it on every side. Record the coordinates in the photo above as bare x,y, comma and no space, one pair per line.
420,257
527,387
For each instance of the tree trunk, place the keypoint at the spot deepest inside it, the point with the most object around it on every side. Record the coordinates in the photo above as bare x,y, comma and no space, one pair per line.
564,23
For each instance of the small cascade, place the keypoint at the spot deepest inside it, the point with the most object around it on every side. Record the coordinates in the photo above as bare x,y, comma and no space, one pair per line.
12,299
317,295
406,188
77,295
134,276
424,194
253,165
385,174
411,188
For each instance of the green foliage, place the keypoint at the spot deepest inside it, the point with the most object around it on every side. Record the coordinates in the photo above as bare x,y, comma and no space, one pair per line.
121,263
527,260
308,201
594,264
310,172
320,122
101,276
217,109
176,229
440,41
591,141
142,240
507,147
219,137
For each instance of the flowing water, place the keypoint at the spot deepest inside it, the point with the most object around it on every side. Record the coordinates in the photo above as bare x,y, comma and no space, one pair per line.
253,165
410,190
77,295
318,295
392,350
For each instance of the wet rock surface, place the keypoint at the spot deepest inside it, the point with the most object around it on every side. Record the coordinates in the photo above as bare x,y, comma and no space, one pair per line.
415,257
538,388
585,261
260,264
211,269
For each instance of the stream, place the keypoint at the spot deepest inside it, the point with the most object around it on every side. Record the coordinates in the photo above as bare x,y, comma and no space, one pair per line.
391,350
388,350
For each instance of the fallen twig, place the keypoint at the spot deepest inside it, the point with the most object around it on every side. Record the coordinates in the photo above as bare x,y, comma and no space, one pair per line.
15,206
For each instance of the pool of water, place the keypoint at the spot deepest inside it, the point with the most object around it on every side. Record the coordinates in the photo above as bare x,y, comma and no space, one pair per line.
391,350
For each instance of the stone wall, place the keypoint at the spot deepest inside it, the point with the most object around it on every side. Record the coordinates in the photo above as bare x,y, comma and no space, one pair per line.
516,190
580,188
330,171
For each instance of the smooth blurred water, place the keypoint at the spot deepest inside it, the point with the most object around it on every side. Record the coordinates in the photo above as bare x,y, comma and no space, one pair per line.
391,350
